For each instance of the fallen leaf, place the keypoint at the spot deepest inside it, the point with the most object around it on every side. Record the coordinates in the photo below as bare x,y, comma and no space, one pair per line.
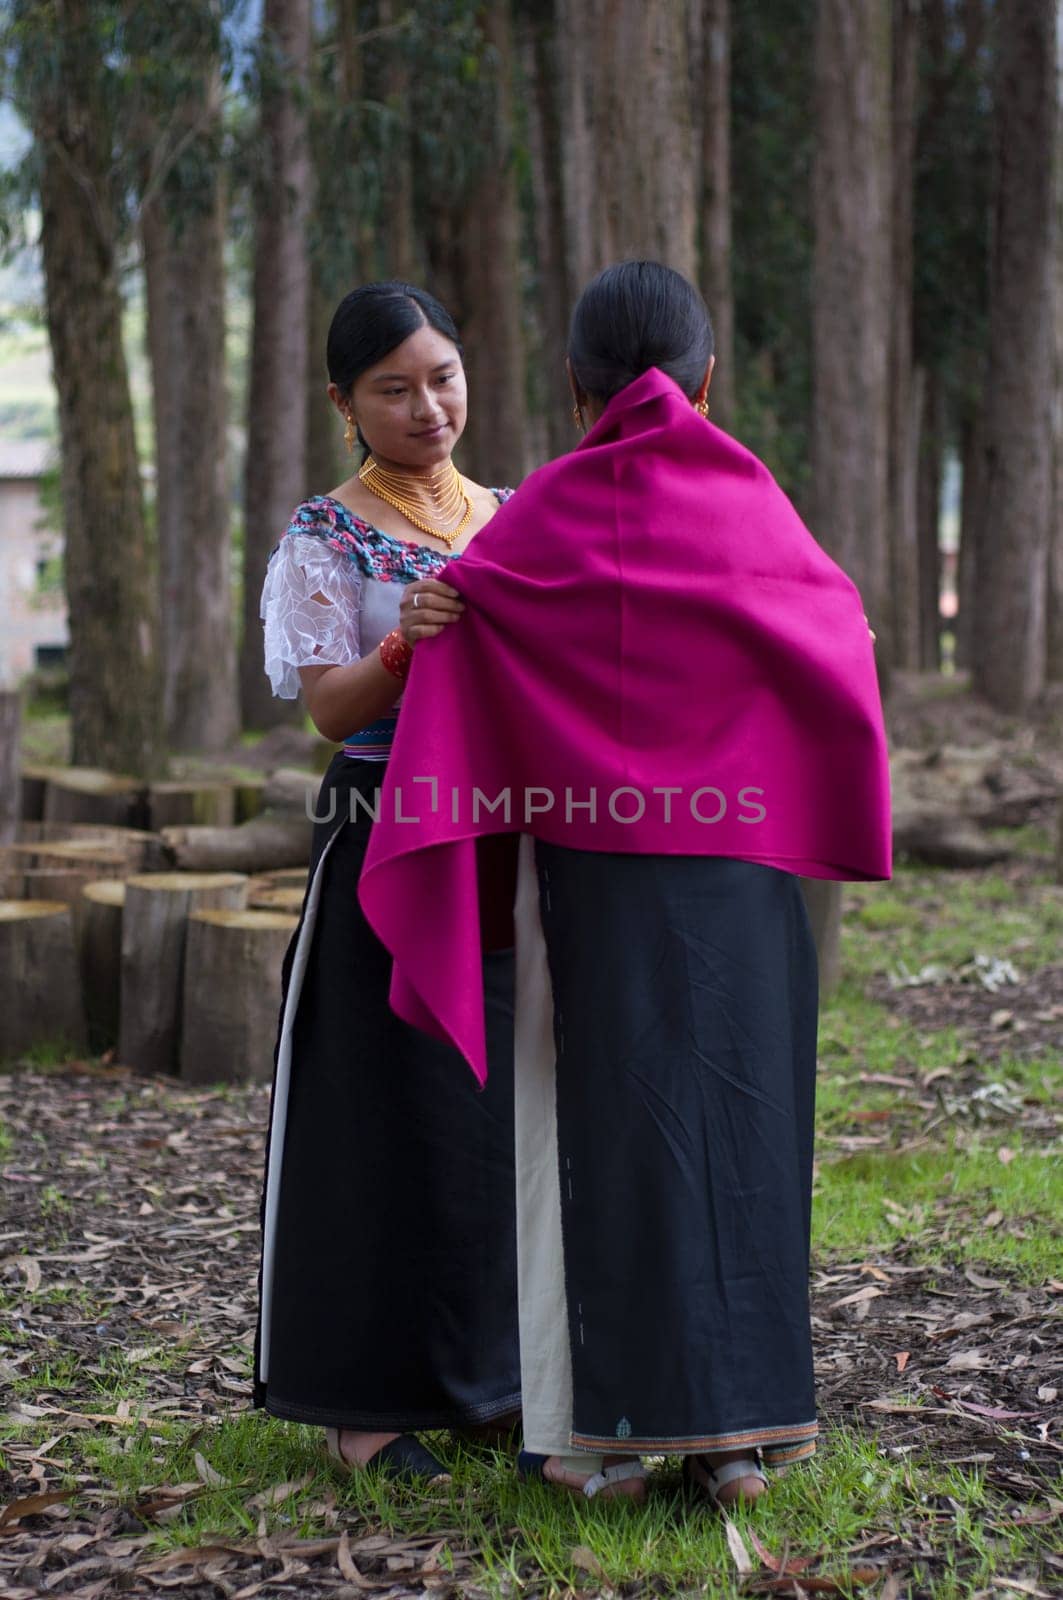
1005,1154
587,1561
1047,1393
210,1477
969,1361
345,1561
981,1282
901,1359
279,1493
992,1219
869,1292
735,1543
31,1505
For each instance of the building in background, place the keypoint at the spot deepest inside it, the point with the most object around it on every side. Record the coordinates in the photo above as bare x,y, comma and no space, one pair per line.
33,619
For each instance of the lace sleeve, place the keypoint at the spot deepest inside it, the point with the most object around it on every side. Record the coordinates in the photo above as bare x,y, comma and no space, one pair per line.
310,605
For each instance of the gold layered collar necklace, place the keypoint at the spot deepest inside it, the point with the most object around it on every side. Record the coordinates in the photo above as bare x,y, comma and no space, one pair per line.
430,500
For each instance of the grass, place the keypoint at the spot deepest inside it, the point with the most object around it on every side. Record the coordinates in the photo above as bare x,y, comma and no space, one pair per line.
849,1493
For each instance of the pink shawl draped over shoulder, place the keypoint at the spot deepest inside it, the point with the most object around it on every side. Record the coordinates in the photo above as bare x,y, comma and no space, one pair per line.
656,656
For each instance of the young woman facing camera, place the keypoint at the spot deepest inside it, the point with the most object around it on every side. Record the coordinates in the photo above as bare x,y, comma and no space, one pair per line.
388,1284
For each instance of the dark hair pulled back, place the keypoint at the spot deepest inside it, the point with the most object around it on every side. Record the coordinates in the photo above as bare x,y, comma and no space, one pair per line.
637,315
375,319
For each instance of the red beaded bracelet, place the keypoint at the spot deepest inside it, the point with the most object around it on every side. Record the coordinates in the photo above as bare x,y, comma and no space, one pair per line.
396,654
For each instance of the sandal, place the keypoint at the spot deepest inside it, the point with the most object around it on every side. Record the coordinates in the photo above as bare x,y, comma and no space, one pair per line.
700,1476
609,1482
402,1460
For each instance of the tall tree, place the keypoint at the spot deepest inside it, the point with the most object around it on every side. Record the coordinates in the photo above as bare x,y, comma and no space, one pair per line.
1054,661
1012,557
713,112
628,155
64,54
275,478
182,223
851,295
906,395
495,443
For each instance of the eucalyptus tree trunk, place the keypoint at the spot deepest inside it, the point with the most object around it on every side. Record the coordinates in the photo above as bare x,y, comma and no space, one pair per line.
713,111
494,449
115,684
628,141
1012,563
184,267
851,296
275,479
905,407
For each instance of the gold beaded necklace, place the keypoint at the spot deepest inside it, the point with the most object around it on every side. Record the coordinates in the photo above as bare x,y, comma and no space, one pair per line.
443,488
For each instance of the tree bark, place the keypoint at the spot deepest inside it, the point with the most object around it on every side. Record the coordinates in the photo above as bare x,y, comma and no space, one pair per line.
115,683
716,242
402,245
552,305
1012,568
154,934
931,468
905,568
972,518
628,166
493,449
276,432
100,959
232,976
10,753
40,996
184,242
1054,654
851,192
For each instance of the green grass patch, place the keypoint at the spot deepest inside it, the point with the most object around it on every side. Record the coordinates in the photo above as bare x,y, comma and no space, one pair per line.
848,1492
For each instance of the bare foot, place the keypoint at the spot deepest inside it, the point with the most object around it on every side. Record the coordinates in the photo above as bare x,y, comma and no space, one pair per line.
356,1448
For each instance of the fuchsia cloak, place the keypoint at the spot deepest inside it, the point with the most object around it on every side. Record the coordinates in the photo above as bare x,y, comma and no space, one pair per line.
656,656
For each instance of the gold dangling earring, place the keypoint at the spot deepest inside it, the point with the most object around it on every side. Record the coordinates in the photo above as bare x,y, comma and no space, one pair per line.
350,434
577,417
702,408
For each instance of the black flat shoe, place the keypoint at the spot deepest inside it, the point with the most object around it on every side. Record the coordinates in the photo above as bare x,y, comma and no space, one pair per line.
402,1460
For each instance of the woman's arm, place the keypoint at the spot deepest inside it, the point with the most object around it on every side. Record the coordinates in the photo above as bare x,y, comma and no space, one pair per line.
341,700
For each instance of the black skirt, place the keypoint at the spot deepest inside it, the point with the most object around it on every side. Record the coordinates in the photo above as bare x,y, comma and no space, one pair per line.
388,1287
684,1033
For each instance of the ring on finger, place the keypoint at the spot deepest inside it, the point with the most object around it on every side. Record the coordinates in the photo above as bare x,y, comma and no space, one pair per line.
417,599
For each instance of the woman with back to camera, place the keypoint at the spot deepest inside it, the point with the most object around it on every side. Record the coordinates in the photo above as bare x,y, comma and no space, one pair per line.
388,1284
699,725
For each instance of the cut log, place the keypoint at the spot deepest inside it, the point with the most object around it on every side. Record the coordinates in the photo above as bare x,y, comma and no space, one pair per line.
265,842
84,794
40,996
57,883
99,937
154,931
288,899
248,797
292,791
10,761
208,805
231,994
823,897
144,852
286,878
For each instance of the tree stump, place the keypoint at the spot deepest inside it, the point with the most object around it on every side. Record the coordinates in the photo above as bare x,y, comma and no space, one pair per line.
208,805
154,932
143,851
248,797
84,794
232,994
40,996
823,897
10,756
99,936
268,898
